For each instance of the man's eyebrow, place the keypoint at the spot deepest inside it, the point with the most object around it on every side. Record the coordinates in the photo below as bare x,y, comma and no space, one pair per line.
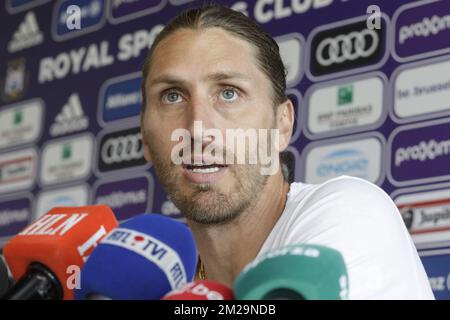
221,76
168,79
216,76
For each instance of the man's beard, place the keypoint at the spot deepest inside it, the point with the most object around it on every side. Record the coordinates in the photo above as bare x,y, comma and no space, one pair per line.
205,203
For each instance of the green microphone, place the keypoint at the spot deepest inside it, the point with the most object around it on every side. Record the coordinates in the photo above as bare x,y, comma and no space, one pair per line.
295,272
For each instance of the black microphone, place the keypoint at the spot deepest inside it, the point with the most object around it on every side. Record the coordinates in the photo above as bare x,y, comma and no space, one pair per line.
5,277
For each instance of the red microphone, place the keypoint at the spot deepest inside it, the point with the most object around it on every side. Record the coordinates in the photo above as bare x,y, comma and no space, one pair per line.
201,290
44,256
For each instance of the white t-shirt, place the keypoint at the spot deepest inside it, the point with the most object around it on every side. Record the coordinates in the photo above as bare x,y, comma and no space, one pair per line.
358,219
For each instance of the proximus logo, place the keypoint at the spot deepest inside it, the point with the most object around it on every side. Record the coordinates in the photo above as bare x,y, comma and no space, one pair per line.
422,151
425,28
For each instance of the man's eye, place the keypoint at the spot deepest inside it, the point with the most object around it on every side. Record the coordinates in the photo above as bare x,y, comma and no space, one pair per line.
171,97
229,95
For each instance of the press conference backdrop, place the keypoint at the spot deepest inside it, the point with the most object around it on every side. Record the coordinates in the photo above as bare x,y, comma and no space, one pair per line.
371,90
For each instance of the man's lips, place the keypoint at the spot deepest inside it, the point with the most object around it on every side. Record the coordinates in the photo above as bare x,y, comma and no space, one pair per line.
204,173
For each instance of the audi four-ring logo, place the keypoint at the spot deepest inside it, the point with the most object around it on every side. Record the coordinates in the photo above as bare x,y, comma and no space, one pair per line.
347,47
124,148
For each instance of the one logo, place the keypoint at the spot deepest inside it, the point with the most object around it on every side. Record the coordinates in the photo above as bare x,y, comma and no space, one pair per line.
422,29
71,118
120,98
27,35
407,214
17,170
346,48
14,216
127,198
66,151
66,197
152,250
344,162
55,224
420,153
359,158
120,150
124,10
92,18
18,117
345,95
348,107
427,216
422,85
15,81
66,160
21,123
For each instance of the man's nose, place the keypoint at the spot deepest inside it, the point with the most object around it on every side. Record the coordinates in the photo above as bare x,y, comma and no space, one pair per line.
200,117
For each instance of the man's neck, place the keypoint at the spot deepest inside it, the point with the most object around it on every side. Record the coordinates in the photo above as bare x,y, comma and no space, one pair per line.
226,249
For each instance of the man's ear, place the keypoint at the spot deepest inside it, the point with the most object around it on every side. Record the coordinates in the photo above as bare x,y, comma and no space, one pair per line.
145,141
285,121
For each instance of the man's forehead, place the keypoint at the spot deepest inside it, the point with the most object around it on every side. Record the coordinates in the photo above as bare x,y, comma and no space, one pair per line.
214,76
213,52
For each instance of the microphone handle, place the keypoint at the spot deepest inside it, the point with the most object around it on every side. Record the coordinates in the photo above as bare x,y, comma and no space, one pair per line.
38,283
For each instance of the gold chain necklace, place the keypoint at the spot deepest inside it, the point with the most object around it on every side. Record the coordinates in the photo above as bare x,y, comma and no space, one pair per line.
201,274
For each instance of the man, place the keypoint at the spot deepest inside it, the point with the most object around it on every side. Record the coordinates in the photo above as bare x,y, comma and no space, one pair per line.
215,67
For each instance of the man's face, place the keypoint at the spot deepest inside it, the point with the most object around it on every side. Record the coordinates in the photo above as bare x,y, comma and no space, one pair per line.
210,76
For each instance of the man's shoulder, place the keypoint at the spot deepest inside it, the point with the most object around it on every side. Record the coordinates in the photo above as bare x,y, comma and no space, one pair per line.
343,200
340,190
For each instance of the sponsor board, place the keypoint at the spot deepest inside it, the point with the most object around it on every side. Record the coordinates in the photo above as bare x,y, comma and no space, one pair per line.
296,98
17,170
421,29
15,215
67,159
92,18
96,55
126,197
125,10
437,267
359,156
421,90
291,50
120,98
72,196
346,106
118,150
419,153
346,47
21,123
